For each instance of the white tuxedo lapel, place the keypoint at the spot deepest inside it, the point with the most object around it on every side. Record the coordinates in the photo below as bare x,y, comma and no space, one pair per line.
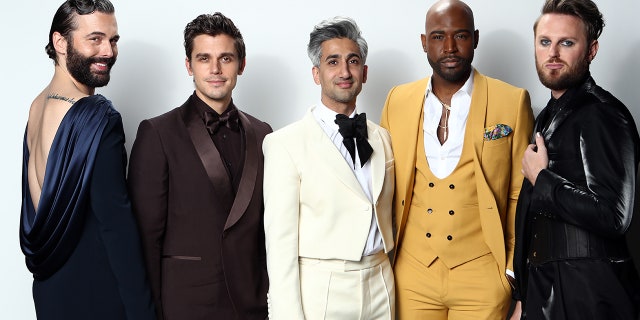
328,156
378,161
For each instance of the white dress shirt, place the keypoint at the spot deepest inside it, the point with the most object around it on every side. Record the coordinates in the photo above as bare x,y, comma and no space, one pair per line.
326,119
444,158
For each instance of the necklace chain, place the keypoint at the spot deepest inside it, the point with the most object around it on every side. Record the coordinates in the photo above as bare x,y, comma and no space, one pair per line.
446,118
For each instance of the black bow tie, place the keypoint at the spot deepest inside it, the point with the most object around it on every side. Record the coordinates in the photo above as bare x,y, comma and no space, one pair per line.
355,127
213,121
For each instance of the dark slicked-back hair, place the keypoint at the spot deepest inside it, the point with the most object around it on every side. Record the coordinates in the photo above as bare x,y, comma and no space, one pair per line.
335,28
213,25
585,10
64,20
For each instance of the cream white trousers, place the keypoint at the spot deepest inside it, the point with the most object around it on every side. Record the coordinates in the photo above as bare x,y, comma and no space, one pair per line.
347,290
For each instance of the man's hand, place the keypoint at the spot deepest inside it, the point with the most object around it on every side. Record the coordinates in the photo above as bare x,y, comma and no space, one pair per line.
517,311
535,159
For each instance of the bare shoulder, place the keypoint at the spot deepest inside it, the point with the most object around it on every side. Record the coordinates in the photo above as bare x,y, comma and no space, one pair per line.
49,109
45,115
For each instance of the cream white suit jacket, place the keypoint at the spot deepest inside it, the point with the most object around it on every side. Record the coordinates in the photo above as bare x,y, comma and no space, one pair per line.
315,207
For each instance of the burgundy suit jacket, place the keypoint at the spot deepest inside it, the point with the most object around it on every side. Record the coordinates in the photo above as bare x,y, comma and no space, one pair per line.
180,191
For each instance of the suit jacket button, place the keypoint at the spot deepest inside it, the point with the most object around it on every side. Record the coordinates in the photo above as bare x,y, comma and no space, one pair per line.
449,238
403,202
431,184
428,235
429,211
451,212
451,186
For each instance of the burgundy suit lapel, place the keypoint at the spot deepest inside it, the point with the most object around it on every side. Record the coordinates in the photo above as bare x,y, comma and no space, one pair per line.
209,155
252,157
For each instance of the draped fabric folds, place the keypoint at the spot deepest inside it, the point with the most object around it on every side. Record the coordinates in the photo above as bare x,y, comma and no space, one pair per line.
49,234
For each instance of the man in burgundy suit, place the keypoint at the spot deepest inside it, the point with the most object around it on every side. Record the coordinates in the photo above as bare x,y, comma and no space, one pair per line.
195,179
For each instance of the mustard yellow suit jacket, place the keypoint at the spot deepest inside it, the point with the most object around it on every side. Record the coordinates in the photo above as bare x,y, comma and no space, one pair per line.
315,206
497,162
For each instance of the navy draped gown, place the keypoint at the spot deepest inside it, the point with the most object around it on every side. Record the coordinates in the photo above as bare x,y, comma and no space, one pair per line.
82,244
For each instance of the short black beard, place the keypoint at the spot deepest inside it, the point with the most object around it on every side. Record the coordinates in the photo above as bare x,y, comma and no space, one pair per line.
80,68
573,77
460,76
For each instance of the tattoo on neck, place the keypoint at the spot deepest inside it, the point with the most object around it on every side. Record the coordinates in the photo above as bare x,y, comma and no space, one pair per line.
59,97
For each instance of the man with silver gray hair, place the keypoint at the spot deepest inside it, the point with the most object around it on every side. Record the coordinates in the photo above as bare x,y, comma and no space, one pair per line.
328,188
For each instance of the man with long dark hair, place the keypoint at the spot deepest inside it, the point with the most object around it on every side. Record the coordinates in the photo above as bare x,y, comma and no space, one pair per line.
77,231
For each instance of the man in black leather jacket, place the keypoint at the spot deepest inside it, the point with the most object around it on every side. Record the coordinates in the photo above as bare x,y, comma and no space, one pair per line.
577,201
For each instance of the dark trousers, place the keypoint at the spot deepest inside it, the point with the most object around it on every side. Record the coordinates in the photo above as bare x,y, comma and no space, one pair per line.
582,289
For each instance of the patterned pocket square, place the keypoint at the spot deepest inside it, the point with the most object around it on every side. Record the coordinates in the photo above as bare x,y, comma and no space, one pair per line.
496,132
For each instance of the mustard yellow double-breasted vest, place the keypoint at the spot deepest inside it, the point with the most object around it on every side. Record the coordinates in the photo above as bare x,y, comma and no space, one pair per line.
444,220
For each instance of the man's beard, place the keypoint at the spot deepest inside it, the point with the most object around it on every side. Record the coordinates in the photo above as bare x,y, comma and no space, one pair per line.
569,79
80,68
458,76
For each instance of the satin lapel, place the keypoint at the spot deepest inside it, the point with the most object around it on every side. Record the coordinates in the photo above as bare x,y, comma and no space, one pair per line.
252,156
538,125
209,155
377,161
557,120
329,156
478,113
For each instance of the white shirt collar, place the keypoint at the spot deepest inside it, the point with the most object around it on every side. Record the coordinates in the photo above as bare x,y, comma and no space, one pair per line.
327,117
467,87
460,104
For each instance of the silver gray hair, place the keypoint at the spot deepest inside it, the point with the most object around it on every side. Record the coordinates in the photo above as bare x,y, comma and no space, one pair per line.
337,27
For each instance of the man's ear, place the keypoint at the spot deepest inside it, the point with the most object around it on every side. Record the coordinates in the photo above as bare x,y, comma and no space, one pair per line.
187,64
59,43
243,64
315,71
365,68
593,50
476,39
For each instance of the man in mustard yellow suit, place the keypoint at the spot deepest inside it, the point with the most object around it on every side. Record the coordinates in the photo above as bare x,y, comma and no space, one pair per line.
458,139
328,188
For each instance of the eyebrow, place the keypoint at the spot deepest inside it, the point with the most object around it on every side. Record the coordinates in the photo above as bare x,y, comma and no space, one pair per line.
96,33
102,34
455,32
559,38
202,55
335,56
351,55
223,54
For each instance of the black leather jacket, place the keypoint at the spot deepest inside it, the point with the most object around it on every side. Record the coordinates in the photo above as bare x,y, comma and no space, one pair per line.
582,204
